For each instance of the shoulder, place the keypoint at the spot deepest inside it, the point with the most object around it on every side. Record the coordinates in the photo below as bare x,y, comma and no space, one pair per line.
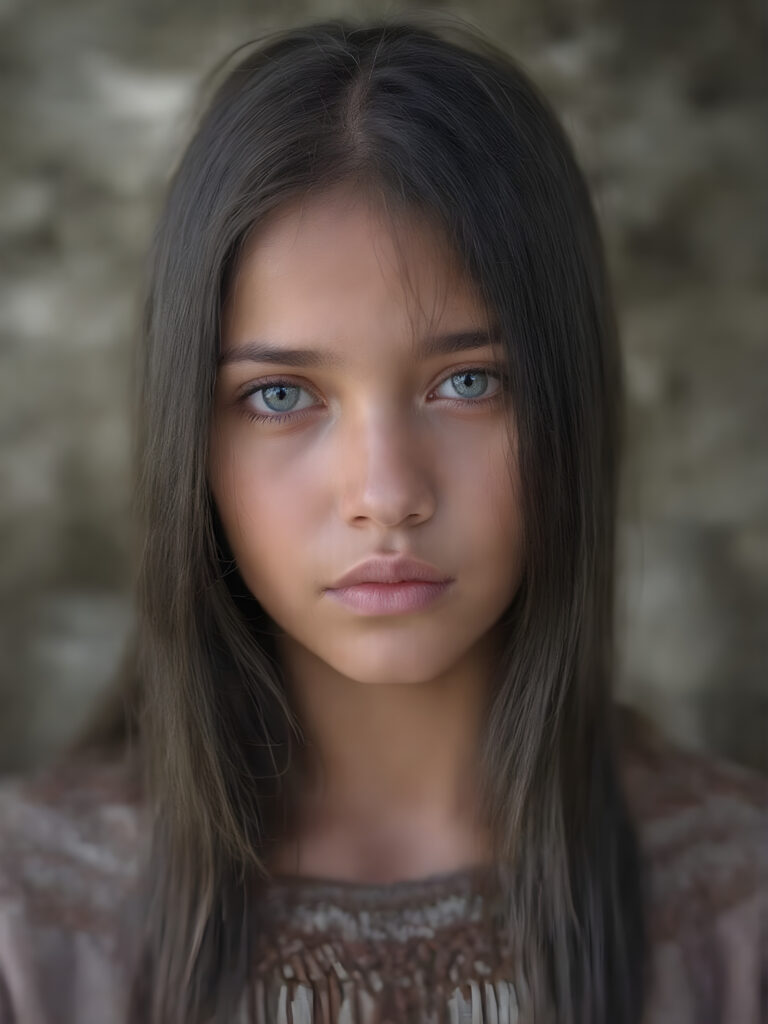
696,813
67,829
702,823
70,843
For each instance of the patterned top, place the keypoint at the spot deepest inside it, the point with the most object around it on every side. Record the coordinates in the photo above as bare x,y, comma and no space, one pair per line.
424,950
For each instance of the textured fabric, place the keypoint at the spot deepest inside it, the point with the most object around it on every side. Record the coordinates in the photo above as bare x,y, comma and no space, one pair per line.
412,951
421,950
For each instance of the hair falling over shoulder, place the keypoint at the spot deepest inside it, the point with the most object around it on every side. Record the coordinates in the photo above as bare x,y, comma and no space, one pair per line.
425,115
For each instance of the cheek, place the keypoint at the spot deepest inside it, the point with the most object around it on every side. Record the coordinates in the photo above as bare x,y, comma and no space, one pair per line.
497,513
481,473
266,507
503,486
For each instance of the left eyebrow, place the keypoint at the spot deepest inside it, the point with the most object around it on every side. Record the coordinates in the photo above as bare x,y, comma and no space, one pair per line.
436,345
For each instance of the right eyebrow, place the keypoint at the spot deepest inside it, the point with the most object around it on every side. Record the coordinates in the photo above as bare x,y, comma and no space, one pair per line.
259,351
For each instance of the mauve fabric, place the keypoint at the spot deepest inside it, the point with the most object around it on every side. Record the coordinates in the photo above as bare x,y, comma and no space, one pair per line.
421,950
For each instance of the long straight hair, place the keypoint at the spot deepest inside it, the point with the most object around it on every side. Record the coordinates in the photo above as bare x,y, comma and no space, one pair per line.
434,120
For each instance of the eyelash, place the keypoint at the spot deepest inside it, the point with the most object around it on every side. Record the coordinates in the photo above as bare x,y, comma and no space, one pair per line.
495,371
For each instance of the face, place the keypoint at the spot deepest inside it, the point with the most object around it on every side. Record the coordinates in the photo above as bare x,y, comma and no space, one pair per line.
389,450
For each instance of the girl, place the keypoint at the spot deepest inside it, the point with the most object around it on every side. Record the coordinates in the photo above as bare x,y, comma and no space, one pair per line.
374,770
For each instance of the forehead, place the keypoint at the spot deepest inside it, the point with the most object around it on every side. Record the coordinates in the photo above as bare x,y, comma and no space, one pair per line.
337,266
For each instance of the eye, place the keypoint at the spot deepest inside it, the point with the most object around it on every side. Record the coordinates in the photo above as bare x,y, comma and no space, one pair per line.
280,398
281,401
471,383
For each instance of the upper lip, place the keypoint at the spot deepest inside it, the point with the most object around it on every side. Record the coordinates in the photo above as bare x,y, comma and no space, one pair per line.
390,570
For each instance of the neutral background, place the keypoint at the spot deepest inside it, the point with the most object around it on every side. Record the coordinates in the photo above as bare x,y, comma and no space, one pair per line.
663,103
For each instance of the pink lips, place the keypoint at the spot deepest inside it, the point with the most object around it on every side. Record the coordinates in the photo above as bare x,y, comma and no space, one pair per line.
388,586
390,570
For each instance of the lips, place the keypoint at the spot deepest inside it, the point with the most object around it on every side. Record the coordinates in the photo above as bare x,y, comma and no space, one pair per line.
390,570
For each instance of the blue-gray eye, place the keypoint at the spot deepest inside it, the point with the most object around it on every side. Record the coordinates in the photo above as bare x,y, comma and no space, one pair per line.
470,375
280,390
281,396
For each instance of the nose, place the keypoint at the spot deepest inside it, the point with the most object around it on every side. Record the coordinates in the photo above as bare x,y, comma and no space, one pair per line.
384,473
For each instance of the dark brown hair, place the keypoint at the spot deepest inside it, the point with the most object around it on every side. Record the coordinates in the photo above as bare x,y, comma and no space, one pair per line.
430,117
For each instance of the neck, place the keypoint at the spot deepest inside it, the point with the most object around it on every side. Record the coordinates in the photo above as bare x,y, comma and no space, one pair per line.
387,782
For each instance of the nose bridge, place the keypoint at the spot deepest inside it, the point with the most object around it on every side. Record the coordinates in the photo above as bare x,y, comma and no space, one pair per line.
385,472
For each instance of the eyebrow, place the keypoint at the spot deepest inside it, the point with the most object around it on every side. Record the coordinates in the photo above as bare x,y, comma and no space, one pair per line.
259,351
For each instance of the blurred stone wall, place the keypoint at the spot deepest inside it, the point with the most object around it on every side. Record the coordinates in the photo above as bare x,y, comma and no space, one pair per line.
664,105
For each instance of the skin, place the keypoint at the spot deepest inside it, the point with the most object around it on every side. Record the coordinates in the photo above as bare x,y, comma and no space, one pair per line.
389,456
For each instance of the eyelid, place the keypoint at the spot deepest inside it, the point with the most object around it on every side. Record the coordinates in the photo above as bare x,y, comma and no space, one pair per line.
495,368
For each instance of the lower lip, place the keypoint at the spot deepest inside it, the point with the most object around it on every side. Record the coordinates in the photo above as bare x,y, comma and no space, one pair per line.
389,598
